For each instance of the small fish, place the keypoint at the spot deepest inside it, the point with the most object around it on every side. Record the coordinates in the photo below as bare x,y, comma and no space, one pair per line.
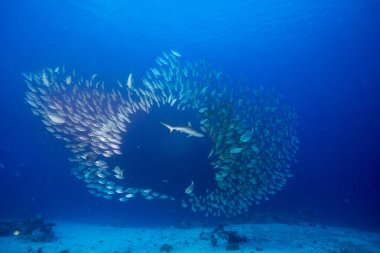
119,173
56,119
255,148
129,82
235,150
246,137
45,80
68,80
202,110
90,157
175,53
190,188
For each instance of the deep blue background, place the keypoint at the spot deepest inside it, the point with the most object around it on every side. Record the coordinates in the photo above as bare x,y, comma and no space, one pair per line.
323,56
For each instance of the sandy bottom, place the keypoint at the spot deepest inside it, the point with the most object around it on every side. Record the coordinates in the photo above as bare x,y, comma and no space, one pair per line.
268,238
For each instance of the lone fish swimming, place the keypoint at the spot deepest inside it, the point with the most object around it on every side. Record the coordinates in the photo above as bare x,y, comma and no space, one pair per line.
186,130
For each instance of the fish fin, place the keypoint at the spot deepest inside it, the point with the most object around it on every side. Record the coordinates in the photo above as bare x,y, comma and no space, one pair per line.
168,126
189,124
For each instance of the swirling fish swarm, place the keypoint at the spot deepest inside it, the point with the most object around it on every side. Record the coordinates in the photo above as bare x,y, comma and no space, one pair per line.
252,131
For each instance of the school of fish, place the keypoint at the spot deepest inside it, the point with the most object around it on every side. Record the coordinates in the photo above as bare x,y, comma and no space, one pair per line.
253,132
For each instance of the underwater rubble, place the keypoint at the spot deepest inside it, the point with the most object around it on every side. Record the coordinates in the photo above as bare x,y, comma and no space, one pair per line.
33,229
166,247
232,238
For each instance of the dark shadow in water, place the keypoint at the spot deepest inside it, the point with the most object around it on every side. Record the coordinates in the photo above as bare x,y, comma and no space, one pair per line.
165,162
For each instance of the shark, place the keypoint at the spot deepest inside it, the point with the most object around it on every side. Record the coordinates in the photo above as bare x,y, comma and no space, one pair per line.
186,130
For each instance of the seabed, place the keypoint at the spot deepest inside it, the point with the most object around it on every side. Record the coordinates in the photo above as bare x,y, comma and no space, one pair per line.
267,238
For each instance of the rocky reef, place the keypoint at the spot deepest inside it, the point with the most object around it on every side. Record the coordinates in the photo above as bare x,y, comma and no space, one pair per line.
33,229
233,239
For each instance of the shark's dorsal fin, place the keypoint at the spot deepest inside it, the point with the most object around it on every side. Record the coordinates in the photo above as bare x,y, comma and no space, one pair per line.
189,124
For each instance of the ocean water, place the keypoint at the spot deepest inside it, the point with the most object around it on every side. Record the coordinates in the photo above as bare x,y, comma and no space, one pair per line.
321,56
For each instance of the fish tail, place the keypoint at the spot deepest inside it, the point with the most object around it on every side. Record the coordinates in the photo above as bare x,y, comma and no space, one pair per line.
168,126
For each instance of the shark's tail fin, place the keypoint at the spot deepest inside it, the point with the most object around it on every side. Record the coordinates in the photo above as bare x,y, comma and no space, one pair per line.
168,126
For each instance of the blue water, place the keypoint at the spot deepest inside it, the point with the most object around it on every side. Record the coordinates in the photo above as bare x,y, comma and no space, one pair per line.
323,56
